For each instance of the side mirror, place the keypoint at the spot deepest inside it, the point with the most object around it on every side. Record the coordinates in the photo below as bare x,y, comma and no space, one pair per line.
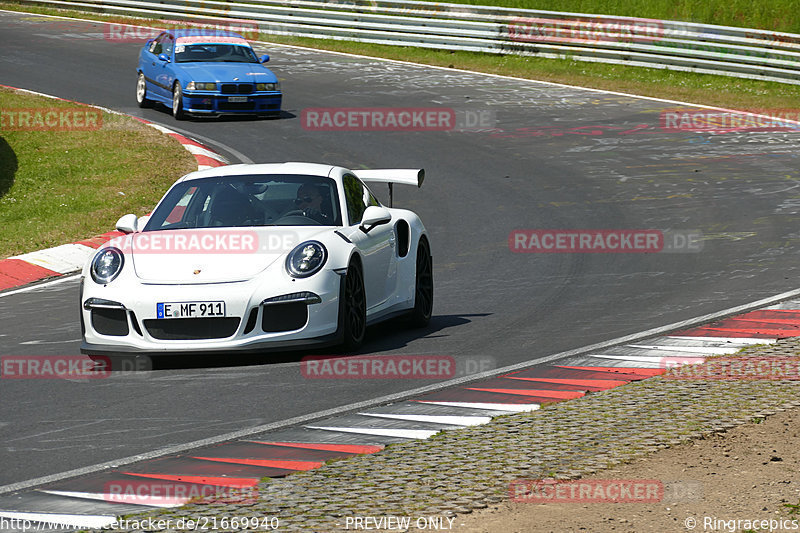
127,223
264,58
374,216
163,57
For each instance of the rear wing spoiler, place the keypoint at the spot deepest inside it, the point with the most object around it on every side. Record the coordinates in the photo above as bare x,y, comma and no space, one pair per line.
404,176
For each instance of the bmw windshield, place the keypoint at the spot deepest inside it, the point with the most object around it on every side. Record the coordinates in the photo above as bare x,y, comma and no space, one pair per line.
215,52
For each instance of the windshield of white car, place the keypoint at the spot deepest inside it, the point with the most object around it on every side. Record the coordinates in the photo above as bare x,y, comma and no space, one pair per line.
248,201
234,53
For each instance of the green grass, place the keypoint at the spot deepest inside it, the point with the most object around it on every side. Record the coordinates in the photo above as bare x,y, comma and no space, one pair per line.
63,186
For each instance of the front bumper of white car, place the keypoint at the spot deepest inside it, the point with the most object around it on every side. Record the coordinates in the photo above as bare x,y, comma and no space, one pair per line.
258,316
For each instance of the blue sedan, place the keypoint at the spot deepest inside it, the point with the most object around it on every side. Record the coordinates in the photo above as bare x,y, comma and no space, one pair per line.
206,72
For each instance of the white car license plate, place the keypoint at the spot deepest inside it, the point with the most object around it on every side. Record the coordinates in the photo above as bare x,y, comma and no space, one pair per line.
237,98
190,309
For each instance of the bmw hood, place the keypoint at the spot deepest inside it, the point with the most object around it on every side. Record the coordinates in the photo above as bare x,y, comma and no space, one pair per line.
226,72
211,255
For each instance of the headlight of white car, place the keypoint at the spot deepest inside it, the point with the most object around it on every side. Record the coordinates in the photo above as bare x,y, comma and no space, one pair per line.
306,259
107,265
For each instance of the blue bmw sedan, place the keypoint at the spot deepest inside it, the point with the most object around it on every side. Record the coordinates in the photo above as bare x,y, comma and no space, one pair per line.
206,72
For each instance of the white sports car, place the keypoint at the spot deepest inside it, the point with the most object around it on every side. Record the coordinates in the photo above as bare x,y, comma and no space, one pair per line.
254,257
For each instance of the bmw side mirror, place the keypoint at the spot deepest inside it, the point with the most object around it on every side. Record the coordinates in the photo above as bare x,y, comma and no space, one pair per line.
127,223
163,57
264,58
374,216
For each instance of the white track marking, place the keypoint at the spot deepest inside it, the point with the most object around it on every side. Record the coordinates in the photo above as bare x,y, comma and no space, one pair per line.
436,419
62,259
732,340
152,501
401,433
40,285
687,349
505,407
196,150
239,156
655,359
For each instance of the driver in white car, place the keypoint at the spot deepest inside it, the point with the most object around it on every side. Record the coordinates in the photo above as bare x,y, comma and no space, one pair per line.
310,202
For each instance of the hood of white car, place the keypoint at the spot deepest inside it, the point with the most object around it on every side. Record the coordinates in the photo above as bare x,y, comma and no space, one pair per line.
212,255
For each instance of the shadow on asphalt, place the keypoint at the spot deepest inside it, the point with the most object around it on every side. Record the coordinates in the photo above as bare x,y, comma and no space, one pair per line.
225,118
390,335
8,167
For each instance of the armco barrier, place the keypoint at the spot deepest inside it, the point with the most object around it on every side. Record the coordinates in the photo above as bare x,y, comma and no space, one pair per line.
703,48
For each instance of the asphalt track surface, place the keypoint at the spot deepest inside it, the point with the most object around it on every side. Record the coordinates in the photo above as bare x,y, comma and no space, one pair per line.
535,171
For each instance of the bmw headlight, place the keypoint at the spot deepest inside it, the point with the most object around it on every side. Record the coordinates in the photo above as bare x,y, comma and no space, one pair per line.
268,86
306,259
201,86
107,265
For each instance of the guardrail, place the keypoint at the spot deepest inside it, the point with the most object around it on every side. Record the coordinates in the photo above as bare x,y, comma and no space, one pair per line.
703,48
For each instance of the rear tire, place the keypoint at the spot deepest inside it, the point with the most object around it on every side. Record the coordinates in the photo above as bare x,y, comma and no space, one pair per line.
423,289
177,102
353,319
141,92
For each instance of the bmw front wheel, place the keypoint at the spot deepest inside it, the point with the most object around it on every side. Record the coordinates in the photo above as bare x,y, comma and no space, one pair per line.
141,92
177,102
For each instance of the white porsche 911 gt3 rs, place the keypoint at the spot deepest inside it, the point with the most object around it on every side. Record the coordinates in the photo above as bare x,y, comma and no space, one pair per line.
254,257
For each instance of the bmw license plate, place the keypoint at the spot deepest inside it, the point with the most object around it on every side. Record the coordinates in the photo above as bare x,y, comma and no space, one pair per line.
190,309
237,99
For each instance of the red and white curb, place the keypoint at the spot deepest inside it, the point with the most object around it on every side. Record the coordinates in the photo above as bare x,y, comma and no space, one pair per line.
94,500
68,258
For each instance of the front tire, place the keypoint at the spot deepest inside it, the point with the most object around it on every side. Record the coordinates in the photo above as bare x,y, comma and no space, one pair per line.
141,92
353,310
177,102
423,288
